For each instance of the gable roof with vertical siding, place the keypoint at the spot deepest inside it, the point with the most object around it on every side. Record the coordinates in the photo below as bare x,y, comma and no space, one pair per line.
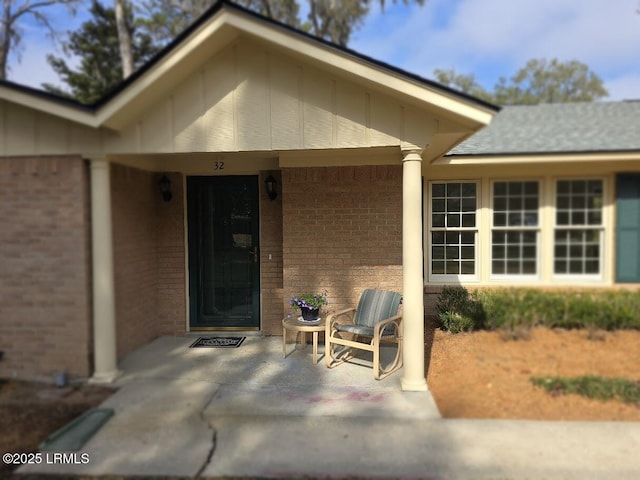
234,19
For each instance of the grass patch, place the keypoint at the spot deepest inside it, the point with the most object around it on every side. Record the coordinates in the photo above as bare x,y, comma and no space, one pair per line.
592,386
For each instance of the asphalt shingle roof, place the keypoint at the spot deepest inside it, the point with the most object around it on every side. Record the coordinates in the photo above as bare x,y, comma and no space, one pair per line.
558,128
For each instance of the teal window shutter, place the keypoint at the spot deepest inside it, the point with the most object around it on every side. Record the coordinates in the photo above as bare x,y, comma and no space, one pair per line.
628,228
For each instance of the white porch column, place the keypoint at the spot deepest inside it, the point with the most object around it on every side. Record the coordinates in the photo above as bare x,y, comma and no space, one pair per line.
413,287
104,318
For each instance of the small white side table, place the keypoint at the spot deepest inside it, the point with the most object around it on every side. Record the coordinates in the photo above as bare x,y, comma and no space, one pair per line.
298,326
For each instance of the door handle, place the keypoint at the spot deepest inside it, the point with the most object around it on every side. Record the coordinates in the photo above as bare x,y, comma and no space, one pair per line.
255,254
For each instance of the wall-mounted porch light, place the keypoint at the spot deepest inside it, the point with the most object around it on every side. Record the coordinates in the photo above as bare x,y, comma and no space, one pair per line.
165,188
271,184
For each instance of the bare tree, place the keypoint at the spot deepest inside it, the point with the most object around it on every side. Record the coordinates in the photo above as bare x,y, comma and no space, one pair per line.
332,20
165,19
543,81
335,20
124,37
10,32
539,81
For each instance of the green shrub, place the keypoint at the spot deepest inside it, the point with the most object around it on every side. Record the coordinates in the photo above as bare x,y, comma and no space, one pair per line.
511,309
458,310
592,386
455,322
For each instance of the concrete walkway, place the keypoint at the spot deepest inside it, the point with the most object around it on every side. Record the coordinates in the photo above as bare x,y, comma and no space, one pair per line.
247,412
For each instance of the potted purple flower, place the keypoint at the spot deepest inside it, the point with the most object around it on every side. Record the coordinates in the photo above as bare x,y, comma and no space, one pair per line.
309,304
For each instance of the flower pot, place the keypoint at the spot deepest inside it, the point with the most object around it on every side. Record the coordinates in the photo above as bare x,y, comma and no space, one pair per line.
309,314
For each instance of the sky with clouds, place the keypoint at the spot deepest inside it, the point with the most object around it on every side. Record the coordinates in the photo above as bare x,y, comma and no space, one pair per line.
488,38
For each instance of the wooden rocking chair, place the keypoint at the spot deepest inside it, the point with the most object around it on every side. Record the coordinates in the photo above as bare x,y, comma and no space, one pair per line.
374,322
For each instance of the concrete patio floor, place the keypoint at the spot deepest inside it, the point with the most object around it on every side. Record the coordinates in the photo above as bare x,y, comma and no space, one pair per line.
247,412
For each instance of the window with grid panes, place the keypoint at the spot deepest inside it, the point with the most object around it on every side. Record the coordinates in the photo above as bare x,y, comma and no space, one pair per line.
453,228
514,236
579,227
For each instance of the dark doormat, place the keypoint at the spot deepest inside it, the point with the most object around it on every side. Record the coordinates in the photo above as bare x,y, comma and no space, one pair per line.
220,342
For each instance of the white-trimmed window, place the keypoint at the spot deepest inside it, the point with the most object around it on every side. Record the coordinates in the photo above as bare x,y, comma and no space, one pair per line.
453,230
579,227
515,228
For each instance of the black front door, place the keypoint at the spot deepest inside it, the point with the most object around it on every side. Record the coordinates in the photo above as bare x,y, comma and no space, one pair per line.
223,252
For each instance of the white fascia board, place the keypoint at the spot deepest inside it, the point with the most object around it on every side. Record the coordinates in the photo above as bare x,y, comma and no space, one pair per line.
537,158
114,112
49,106
351,66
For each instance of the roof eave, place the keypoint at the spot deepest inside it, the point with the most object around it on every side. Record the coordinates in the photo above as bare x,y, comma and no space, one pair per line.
45,102
218,27
539,157
225,21
463,108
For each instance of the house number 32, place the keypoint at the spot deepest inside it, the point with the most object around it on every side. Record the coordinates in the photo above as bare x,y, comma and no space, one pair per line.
218,165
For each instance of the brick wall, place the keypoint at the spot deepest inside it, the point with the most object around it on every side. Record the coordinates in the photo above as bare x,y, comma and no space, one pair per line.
133,199
171,270
149,257
342,231
431,295
45,296
271,257
45,264
330,228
